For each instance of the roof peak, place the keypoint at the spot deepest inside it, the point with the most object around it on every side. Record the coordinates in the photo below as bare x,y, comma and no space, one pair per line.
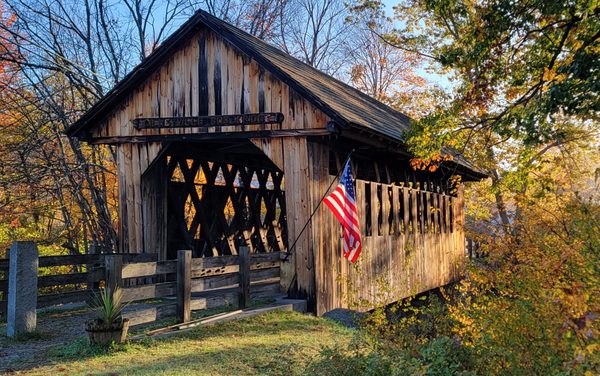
346,105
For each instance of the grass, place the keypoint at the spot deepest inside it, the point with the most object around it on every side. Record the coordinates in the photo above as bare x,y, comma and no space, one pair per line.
277,343
198,314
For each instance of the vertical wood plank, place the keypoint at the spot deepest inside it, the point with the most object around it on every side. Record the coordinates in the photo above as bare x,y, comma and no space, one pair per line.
385,210
374,210
436,213
440,212
113,268
425,203
446,214
416,251
202,77
244,259
218,77
396,196
184,285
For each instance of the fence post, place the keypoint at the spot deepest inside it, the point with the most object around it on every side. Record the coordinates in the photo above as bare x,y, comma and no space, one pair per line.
92,284
184,285
22,288
113,267
244,277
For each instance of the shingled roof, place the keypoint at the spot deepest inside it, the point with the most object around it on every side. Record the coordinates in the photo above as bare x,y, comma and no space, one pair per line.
345,105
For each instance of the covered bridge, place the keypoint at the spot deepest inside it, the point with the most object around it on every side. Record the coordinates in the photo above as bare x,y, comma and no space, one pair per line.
223,140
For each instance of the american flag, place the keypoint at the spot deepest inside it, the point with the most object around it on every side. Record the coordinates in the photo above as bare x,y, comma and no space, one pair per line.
342,202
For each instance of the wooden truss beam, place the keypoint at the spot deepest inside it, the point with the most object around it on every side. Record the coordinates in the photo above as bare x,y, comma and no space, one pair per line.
216,136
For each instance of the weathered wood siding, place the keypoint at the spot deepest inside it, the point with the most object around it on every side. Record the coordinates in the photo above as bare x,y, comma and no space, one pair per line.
418,244
206,76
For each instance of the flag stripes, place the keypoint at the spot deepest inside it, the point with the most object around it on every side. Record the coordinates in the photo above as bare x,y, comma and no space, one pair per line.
342,202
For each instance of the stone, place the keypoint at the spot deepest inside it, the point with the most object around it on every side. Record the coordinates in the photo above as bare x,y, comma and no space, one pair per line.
22,288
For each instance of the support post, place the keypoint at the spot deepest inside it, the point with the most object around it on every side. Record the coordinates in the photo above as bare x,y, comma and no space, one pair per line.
244,276
113,268
22,288
92,284
184,285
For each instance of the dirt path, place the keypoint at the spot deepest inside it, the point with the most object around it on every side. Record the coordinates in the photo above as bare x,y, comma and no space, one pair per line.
58,327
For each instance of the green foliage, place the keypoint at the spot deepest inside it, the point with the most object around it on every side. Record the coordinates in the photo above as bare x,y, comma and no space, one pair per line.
411,322
519,65
367,356
80,348
524,74
531,308
411,337
109,305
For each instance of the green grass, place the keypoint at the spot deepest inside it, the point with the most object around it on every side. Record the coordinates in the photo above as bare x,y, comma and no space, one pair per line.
277,343
198,314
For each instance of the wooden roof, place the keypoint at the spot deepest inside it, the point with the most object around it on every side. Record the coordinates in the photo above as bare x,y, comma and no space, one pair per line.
345,105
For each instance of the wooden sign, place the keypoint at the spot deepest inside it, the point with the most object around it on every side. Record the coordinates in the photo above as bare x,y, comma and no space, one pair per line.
209,121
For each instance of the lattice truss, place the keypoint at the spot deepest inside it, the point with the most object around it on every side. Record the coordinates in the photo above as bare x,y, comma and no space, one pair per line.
215,207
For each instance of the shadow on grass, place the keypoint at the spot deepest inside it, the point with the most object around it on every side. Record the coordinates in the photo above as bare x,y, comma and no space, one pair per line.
242,360
60,336
273,343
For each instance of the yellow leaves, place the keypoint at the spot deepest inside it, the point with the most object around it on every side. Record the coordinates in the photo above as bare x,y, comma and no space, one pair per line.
549,74
512,93
552,77
592,348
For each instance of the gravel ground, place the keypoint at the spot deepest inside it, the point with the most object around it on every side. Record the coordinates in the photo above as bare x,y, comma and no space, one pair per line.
55,327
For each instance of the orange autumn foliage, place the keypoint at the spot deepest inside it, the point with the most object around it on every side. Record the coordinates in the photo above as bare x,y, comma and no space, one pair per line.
430,164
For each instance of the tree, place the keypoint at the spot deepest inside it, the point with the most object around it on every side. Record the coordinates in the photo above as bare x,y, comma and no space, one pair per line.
316,32
257,17
527,81
67,54
385,72
520,65
150,28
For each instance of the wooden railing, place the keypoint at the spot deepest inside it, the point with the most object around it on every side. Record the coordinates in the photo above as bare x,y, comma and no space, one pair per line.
388,209
66,279
195,283
182,285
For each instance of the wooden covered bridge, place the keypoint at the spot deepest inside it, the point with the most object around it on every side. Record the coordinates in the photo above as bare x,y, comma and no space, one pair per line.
223,140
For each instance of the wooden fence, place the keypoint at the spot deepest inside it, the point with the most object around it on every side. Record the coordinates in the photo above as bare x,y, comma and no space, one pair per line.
198,283
66,279
182,285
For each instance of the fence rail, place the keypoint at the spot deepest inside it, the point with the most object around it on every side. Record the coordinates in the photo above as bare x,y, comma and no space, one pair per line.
197,283
76,284
183,285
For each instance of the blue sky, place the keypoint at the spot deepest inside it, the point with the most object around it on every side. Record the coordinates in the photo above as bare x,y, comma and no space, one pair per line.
440,80
435,79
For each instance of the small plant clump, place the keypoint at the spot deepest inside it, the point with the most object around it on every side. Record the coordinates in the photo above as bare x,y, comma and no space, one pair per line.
109,306
109,327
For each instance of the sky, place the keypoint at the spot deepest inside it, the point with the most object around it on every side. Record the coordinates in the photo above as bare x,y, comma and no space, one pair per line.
442,81
434,79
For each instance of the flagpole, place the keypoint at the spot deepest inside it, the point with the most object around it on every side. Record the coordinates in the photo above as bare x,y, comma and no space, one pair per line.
289,252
